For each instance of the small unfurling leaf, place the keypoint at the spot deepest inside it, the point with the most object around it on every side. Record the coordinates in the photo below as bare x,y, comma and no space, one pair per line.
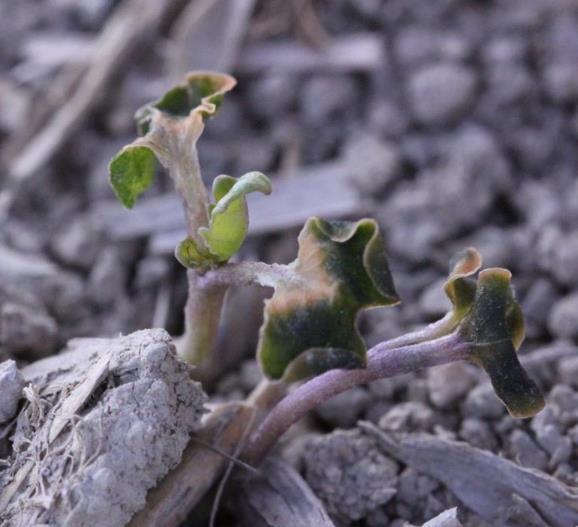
310,322
495,328
229,222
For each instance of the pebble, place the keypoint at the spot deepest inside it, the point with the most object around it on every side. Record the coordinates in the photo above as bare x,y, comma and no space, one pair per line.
11,385
440,92
450,383
483,403
563,318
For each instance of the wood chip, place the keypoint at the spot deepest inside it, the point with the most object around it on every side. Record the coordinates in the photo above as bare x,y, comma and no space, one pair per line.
484,482
279,497
352,53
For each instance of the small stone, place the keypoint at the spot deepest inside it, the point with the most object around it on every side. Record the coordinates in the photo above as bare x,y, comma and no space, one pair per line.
324,96
272,95
441,92
559,447
449,384
408,417
433,301
77,243
344,409
482,402
11,385
564,264
568,371
526,452
478,433
413,486
538,300
373,164
387,120
563,319
27,330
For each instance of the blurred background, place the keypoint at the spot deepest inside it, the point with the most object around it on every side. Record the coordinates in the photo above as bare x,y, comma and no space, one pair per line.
452,122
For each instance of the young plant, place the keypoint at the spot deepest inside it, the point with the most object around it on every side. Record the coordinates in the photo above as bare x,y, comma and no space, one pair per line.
309,331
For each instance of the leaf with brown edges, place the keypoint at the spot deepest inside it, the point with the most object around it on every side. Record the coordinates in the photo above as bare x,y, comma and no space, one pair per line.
495,328
310,322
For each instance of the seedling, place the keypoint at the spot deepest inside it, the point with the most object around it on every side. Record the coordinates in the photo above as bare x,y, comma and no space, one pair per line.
309,331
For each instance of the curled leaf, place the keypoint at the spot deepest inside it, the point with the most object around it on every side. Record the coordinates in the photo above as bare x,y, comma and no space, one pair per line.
459,287
340,269
229,222
494,327
170,128
189,255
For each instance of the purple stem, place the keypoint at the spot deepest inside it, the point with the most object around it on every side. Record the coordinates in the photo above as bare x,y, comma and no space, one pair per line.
383,361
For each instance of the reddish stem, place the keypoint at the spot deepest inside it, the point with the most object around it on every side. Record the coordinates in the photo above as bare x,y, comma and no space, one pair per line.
383,361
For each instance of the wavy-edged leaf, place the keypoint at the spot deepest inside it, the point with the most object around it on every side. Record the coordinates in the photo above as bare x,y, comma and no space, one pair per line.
170,128
494,327
201,92
229,222
459,287
341,268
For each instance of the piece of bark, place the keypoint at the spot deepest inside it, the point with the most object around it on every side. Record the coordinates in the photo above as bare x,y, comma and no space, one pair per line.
447,518
195,46
277,496
169,503
482,481
352,53
98,430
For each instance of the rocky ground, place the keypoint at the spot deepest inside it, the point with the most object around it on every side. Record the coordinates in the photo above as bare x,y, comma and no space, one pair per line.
454,122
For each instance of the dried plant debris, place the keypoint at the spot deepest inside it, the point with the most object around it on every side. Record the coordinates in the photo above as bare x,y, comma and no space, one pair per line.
278,497
98,429
494,488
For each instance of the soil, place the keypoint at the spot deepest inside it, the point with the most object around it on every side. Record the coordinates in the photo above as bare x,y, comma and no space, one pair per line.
455,123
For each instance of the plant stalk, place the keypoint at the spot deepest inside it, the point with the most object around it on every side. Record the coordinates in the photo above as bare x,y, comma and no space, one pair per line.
383,361
202,317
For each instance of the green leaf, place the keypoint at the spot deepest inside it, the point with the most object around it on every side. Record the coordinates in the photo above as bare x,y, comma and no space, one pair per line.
340,269
190,256
229,222
132,172
201,92
170,128
494,327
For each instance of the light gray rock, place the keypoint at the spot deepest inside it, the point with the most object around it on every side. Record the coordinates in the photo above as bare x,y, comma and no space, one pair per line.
568,371
116,417
372,164
478,433
27,330
564,264
408,417
563,319
439,93
433,301
77,243
344,409
349,475
483,403
11,385
526,452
